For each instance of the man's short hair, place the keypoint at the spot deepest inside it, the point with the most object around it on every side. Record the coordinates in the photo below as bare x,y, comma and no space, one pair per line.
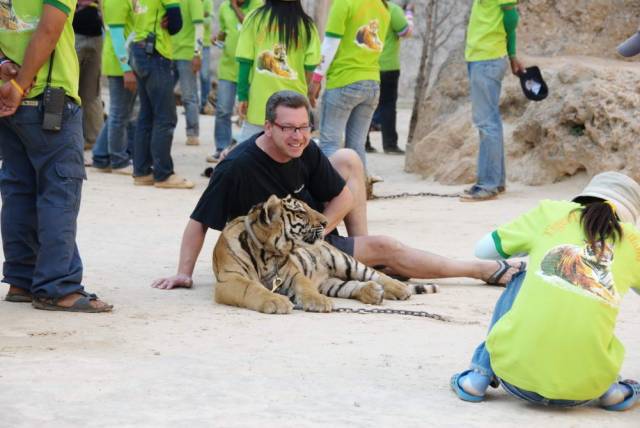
289,99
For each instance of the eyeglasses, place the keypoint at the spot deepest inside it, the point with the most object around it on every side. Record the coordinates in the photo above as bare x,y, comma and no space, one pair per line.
293,129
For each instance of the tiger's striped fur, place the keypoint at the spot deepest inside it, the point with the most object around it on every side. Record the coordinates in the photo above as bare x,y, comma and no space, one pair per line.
282,239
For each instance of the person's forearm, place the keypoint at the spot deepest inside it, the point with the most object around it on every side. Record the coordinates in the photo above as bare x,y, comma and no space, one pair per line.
197,42
244,70
337,208
118,42
238,11
510,22
192,241
42,43
329,49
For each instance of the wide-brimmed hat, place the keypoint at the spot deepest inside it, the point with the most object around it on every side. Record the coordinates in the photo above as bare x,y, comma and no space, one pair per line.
533,85
631,46
622,190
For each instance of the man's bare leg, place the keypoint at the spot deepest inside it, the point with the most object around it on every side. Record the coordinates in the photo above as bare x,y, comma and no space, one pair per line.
349,166
411,262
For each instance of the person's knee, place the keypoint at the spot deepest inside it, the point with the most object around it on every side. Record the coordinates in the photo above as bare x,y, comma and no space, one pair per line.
384,248
347,163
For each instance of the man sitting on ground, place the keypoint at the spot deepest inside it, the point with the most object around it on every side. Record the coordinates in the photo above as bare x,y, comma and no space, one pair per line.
282,160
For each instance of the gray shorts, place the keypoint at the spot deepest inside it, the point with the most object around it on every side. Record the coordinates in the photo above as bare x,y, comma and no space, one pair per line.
342,243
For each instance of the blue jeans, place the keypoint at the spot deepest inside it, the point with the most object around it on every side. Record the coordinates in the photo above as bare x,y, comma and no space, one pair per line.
485,79
112,148
225,100
347,113
189,88
41,182
205,76
157,118
481,360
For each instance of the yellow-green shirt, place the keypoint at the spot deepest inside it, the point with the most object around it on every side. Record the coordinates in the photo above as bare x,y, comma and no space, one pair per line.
486,36
274,67
207,9
116,14
183,42
147,19
229,23
362,26
558,338
18,27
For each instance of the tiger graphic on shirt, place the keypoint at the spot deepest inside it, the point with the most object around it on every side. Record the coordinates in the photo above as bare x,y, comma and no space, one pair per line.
367,36
275,62
586,270
10,21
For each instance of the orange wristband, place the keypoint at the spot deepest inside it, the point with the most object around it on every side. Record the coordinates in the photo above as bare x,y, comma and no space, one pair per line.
17,86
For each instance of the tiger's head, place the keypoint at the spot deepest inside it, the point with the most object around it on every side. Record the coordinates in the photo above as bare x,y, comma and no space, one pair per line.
280,52
281,224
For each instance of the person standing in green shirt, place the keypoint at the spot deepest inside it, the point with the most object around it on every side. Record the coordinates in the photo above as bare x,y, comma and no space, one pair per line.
491,36
401,26
43,163
278,48
551,339
231,15
150,56
205,70
351,61
111,152
187,61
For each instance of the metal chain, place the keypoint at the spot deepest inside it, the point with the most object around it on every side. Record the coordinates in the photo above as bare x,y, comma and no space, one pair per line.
363,311
419,194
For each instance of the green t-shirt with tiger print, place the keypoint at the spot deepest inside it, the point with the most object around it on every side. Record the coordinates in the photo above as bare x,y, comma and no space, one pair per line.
18,21
148,16
275,68
558,338
362,26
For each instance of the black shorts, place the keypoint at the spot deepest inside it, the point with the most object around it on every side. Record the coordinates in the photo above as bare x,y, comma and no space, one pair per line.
342,243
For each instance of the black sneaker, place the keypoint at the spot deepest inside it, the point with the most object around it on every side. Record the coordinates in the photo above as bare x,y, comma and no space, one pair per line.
394,151
370,149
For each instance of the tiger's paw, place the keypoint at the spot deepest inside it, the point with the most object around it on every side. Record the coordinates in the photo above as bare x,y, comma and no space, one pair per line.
316,303
276,304
395,291
371,293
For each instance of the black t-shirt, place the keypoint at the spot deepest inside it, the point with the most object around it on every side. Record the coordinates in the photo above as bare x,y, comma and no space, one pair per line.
248,176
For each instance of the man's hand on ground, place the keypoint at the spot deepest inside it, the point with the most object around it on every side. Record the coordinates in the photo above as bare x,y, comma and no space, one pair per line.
130,82
176,281
517,67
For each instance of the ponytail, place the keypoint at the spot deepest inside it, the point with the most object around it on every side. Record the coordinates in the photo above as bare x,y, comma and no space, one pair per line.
599,222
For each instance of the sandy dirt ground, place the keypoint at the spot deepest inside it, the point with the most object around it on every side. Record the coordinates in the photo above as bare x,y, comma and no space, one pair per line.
175,358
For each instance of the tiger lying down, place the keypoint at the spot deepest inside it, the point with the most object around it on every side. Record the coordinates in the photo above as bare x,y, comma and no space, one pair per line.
278,246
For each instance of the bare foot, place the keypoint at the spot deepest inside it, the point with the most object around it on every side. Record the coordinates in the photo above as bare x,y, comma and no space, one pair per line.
18,291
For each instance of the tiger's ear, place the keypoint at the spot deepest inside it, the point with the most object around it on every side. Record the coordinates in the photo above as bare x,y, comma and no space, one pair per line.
271,209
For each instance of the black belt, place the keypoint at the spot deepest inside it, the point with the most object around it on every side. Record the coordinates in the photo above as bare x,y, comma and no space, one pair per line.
37,101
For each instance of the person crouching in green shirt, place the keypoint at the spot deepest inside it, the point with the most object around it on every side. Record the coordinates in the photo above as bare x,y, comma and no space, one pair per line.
278,48
551,340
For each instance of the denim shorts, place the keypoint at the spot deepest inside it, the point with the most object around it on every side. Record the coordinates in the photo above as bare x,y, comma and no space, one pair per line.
342,243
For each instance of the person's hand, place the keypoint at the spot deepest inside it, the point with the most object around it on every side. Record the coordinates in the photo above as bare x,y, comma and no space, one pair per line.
130,83
517,68
196,64
314,92
8,71
243,107
177,281
222,36
10,99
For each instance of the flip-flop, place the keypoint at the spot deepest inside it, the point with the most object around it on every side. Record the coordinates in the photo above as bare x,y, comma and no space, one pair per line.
461,393
630,400
503,268
18,297
83,304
